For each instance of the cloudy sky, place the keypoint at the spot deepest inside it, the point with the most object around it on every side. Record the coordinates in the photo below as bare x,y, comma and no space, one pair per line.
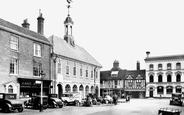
109,29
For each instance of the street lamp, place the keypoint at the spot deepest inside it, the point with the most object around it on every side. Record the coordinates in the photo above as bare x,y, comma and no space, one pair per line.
42,75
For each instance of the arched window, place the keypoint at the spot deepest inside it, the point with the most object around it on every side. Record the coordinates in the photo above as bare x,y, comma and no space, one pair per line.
87,90
74,88
10,89
92,89
169,79
160,78
159,66
151,67
81,88
151,78
178,78
169,66
160,90
169,89
67,88
178,89
178,65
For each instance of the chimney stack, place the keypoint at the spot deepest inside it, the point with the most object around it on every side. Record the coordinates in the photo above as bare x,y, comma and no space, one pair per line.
40,23
147,53
138,65
116,64
25,24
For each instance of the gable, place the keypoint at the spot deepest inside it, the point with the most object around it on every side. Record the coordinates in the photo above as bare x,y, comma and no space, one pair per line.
139,77
129,77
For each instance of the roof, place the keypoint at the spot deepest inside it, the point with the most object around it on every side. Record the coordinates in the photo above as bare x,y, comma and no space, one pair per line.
106,75
135,73
61,47
8,26
122,74
168,57
68,20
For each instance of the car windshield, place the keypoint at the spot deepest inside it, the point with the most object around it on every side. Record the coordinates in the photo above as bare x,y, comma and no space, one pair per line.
65,95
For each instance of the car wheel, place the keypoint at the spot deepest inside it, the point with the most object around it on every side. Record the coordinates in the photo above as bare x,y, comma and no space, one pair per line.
6,109
60,106
20,109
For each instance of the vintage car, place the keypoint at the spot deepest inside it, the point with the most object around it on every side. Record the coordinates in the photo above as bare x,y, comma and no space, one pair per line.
70,98
9,102
176,99
54,102
34,102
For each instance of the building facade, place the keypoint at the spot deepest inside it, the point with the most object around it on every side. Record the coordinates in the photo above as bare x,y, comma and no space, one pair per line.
164,75
123,82
135,82
24,56
74,69
112,81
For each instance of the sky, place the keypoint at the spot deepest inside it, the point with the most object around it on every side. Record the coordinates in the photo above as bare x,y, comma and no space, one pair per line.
109,30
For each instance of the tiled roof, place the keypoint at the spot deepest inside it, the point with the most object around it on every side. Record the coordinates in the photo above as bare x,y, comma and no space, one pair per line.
169,57
62,48
8,26
134,73
106,75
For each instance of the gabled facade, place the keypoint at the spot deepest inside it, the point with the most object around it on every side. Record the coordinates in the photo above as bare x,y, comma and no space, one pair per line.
112,81
164,75
24,55
74,69
135,83
123,82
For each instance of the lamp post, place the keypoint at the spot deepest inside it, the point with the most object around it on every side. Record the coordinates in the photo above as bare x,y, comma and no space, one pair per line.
42,75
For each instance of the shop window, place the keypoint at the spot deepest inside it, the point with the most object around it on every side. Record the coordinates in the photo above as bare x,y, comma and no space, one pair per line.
178,78
10,89
178,89
169,78
151,78
160,78
169,89
160,90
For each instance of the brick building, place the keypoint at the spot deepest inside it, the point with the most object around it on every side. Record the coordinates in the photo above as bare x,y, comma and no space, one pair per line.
24,54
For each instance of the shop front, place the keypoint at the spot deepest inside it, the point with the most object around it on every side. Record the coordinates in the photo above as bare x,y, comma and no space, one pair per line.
31,87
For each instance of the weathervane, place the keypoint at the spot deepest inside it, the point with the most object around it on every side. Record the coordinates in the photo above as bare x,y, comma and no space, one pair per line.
68,6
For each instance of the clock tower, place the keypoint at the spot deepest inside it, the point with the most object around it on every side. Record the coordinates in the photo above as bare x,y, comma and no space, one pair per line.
68,25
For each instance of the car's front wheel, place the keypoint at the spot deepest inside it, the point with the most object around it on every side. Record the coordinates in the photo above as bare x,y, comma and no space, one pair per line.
6,109
20,109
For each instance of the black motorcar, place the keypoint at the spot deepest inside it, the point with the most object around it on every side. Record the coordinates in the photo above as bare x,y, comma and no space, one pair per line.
54,102
34,102
176,99
9,102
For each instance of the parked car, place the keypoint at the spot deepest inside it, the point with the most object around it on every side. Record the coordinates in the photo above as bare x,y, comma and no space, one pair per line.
176,99
9,102
34,102
108,99
72,98
54,102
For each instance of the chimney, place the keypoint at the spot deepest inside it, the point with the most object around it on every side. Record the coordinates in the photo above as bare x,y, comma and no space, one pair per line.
138,65
25,24
40,23
147,53
116,64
